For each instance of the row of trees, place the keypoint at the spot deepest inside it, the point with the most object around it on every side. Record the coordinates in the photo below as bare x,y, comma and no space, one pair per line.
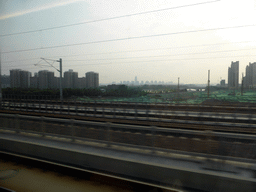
122,91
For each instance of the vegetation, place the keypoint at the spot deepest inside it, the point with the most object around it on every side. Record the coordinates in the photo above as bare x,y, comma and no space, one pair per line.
122,91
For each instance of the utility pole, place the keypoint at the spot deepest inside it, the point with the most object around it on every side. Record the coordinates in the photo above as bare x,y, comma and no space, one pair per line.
0,83
61,93
178,88
178,83
59,70
242,86
208,90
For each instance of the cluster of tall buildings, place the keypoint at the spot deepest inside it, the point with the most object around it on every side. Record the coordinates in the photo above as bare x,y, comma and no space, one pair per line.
46,80
136,82
249,81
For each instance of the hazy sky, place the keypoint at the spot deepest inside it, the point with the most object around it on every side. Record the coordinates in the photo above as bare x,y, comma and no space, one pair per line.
151,39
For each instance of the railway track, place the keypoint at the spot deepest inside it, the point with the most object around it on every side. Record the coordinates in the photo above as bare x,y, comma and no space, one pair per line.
225,122
244,108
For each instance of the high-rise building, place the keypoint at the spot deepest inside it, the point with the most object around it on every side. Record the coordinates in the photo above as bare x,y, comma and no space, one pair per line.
82,82
70,79
250,75
233,75
34,81
92,79
25,79
20,78
15,78
46,79
136,82
222,83
5,81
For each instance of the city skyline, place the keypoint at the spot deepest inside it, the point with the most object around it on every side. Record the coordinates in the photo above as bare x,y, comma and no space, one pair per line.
45,79
159,40
71,79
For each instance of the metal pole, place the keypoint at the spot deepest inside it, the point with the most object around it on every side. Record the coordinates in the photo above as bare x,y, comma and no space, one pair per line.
178,83
178,89
0,83
242,87
61,94
208,91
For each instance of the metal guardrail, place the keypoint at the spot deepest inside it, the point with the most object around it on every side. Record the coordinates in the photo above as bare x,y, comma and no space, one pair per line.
151,139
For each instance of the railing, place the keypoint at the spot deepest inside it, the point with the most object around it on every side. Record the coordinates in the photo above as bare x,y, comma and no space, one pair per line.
153,140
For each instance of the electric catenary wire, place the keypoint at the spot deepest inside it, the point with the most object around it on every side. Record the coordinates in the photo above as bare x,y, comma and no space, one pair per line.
129,38
110,18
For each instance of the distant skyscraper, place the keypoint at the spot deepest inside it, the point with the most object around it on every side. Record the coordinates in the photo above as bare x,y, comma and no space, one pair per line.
34,81
25,79
136,82
20,78
15,77
46,79
5,81
222,83
250,75
233,75
70,79
82,82
92,80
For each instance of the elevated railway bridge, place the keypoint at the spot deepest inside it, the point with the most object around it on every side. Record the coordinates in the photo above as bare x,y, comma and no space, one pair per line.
204,149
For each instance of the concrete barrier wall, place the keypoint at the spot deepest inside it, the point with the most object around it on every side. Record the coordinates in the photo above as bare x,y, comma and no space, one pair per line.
143,171
140,136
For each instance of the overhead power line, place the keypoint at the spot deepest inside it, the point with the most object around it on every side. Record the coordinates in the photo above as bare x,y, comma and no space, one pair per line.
129,38
110,18
152,56
140,50
159,60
